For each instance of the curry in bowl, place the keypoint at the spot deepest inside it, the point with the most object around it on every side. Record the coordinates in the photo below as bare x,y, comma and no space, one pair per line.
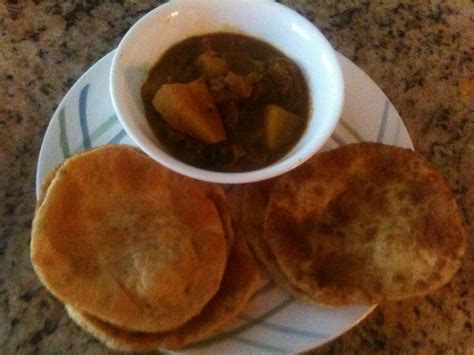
226,102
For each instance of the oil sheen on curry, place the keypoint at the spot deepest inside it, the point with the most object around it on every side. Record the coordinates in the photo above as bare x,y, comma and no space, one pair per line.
226,102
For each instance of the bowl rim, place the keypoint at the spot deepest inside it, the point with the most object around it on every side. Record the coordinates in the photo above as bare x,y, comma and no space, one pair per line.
275,169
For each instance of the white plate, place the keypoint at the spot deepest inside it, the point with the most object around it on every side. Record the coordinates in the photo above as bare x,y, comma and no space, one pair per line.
273,321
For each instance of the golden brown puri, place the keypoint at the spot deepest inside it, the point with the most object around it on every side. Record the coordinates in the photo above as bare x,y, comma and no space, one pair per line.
128,241
240,281
365,223
48,179
45,185
234,196
254,201
214,192
219,197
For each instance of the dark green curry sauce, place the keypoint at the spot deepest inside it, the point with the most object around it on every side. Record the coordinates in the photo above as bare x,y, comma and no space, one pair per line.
278,81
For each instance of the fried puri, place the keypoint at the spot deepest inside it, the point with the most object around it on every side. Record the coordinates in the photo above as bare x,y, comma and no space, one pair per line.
253,204
240,281
128,241
364,223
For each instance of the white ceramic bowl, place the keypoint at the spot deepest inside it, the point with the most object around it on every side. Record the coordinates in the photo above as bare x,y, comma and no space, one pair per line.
271,22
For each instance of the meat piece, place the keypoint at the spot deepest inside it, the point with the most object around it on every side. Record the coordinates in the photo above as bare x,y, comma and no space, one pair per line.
239,84
230,114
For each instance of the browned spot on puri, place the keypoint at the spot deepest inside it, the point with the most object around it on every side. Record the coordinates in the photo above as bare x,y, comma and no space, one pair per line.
303,173
399,278
420,192
337,269
289,236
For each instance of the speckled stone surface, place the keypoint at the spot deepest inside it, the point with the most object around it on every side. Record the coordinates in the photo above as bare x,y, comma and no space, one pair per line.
420,53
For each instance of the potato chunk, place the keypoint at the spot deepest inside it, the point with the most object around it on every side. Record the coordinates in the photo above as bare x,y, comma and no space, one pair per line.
212,65
280,126
189,109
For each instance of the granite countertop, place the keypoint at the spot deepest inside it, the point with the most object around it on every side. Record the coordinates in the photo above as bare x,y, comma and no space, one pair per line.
421,54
